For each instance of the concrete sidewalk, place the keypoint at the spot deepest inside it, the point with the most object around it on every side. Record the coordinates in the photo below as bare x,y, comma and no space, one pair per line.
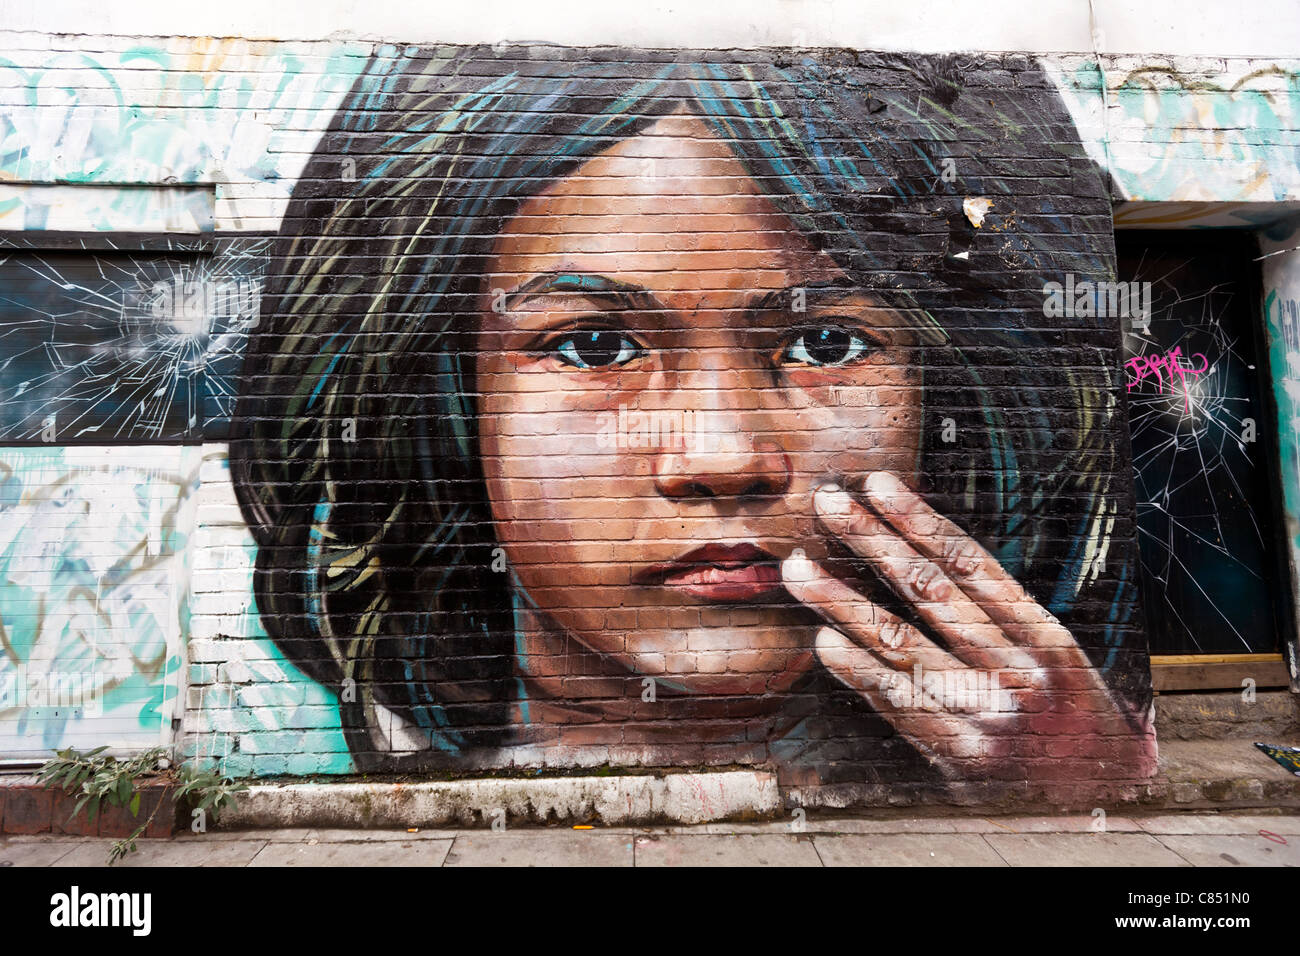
1211,839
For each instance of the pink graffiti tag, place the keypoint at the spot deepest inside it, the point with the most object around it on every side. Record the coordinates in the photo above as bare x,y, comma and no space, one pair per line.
1171,363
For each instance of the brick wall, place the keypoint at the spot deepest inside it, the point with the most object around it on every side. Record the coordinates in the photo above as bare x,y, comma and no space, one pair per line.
557,351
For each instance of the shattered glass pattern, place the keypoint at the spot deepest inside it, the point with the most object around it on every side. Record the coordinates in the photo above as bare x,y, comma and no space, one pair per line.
108,346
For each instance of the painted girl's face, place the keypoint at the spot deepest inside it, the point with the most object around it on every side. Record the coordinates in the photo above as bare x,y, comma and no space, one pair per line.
668,369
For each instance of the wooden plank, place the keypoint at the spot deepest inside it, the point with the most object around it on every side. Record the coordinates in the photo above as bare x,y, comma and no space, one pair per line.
1178,672
1212,658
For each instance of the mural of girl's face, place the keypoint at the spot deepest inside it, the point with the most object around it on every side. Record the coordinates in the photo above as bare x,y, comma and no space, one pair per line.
667,370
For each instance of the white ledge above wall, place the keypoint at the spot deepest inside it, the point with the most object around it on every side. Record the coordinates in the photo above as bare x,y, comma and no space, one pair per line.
1179,27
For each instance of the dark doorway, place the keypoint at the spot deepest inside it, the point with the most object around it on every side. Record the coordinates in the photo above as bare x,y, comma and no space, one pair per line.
1204,462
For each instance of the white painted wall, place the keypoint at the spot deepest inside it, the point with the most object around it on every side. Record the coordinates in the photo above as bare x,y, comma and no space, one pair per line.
1176,27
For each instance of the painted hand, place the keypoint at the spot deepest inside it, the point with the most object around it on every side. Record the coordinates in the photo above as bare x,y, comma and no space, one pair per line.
997,687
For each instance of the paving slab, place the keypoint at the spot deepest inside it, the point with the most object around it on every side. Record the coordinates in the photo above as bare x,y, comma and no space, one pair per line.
1073,823
33,853
1083,849
167,853
743,849
898,825
1233,850
907,849
776,827
1066,823
380,853
1225,823
267,835
543,848
373,836
831,824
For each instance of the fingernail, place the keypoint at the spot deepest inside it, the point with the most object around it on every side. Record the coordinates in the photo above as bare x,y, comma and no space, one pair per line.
880,483
834,500
829,639
797,569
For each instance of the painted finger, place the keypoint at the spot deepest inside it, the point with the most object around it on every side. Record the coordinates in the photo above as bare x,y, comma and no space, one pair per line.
934,726
966,563
960,621
894,641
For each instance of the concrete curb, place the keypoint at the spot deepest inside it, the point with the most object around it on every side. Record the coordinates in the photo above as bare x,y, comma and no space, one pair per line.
613,801
1194,775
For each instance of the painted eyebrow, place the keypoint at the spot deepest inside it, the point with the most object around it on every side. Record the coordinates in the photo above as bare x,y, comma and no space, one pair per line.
621,295
624,295
830,289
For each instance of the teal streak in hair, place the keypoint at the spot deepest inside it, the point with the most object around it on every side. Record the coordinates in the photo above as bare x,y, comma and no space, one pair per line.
432,719
329,370
810,96
521,690
1002,454
461,113
766,146
378,80
617,116
319,517
448,379
1121,609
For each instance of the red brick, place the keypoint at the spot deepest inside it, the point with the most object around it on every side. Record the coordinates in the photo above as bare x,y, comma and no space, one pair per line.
28,810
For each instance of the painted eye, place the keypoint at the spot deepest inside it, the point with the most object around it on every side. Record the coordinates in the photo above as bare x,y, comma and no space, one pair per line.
825,346
599,348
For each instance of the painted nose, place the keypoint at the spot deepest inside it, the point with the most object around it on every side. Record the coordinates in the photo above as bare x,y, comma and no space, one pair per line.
728,453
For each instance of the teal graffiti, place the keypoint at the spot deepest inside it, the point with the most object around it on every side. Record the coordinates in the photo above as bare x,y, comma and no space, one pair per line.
151,117
91,545
1226,141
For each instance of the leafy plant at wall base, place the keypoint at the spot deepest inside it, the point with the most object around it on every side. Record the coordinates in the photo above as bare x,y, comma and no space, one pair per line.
101,778
208,790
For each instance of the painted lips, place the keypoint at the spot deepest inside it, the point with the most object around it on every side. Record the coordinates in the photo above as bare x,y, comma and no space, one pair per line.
720,572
